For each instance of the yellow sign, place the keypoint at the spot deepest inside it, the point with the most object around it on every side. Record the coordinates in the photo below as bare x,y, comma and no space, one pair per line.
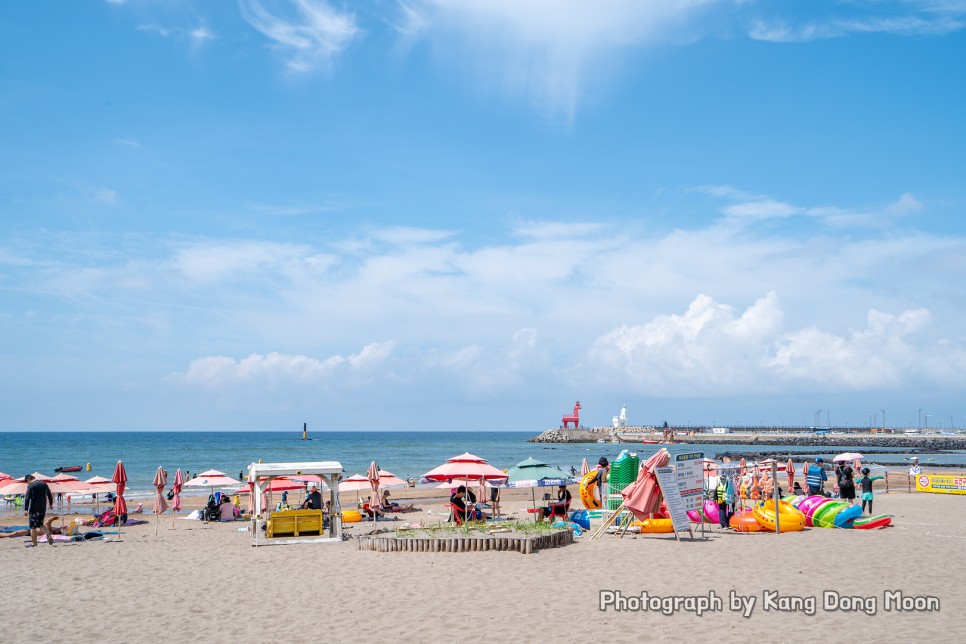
941,483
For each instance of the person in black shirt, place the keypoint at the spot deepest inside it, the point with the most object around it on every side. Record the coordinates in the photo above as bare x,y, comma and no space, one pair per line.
562,502
36,500
314,499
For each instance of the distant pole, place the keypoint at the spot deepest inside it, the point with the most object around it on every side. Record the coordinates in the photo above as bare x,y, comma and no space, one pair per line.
920,419
883,417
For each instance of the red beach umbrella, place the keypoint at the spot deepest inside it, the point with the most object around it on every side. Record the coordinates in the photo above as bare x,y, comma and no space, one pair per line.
643,496
584,468
790,469
465,467
176,489
120,507
160,505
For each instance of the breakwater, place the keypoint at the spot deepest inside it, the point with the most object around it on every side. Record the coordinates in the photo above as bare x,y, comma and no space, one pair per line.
925,443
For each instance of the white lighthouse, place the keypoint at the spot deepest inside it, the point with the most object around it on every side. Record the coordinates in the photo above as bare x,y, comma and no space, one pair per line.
620,422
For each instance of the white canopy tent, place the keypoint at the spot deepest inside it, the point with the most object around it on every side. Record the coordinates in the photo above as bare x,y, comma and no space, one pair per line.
262,474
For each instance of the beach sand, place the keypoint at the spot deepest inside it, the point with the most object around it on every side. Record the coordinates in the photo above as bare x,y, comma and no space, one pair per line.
204,582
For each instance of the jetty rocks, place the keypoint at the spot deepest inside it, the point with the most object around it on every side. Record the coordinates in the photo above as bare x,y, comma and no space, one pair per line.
922,443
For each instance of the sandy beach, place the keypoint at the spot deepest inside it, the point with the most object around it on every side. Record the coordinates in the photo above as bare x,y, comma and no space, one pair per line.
205,582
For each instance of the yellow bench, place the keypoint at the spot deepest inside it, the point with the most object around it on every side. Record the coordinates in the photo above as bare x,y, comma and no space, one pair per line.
294,522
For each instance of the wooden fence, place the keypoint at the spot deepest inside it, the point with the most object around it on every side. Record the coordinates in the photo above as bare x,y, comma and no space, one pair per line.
480,543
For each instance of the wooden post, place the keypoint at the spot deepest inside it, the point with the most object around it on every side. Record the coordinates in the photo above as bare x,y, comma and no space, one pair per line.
774,485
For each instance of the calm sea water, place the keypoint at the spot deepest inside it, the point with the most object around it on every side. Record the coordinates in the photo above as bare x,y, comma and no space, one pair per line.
403,453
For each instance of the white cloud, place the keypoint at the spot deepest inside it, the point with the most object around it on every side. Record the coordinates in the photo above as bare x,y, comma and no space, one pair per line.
899,17
278,369
105,196
711,351
314,36
551,51
905,205
200,34
766,209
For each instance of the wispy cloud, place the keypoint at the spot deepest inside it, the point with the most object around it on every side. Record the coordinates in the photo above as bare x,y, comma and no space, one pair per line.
312,37
550,51
838,20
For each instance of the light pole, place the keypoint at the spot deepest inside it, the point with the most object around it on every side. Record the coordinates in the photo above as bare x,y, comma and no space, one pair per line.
883,418
920,419
925,417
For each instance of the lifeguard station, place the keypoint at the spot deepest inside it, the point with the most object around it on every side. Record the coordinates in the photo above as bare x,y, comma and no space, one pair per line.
294,526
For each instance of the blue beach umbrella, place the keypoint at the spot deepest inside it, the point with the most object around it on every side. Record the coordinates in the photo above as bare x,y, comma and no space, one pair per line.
532,474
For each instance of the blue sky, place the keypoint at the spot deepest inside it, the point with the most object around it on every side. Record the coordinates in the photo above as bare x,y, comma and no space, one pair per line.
468,214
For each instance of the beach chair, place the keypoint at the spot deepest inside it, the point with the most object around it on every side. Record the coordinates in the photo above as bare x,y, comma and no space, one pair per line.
456,514
561,510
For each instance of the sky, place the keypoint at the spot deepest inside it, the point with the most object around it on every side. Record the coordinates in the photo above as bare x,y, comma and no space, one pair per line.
469,214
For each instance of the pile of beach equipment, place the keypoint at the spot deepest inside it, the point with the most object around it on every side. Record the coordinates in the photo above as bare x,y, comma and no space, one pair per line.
793,514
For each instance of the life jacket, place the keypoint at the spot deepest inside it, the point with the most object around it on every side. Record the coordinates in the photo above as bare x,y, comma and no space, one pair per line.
721,492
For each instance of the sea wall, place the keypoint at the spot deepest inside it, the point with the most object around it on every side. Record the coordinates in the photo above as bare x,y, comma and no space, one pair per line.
921,443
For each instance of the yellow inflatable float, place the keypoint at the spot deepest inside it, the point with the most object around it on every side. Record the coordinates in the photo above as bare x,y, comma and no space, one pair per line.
654,525
791,519
351,516
588,485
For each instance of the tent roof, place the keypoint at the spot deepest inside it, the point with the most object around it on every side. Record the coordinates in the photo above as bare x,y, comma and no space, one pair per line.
288,469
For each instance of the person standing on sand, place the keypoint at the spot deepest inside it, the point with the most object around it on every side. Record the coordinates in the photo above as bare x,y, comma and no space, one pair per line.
915,469
816,477
37,499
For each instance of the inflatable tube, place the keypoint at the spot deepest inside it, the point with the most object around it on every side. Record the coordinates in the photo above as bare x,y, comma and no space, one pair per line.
351,516
710,511
745,521
652,526
846,517
695,516
870,523
810,505
587,486
791,520
824,517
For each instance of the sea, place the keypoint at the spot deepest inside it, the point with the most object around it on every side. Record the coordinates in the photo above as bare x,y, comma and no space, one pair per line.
404,453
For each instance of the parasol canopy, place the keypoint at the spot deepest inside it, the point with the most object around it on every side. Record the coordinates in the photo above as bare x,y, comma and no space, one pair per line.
120,480
534,473
374,500
465,467
160,480
844,457
643,496
176,489
584,468
212,479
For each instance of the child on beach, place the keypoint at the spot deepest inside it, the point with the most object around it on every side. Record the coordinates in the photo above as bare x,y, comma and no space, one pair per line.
866,484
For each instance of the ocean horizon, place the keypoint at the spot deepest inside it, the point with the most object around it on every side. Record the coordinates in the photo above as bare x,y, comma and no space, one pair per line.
404,453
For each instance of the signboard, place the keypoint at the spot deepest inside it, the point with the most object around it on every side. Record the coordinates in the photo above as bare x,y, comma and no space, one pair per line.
689,470
672,496
941,483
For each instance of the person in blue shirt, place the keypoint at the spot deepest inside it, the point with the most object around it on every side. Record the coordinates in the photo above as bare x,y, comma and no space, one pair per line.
816,477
